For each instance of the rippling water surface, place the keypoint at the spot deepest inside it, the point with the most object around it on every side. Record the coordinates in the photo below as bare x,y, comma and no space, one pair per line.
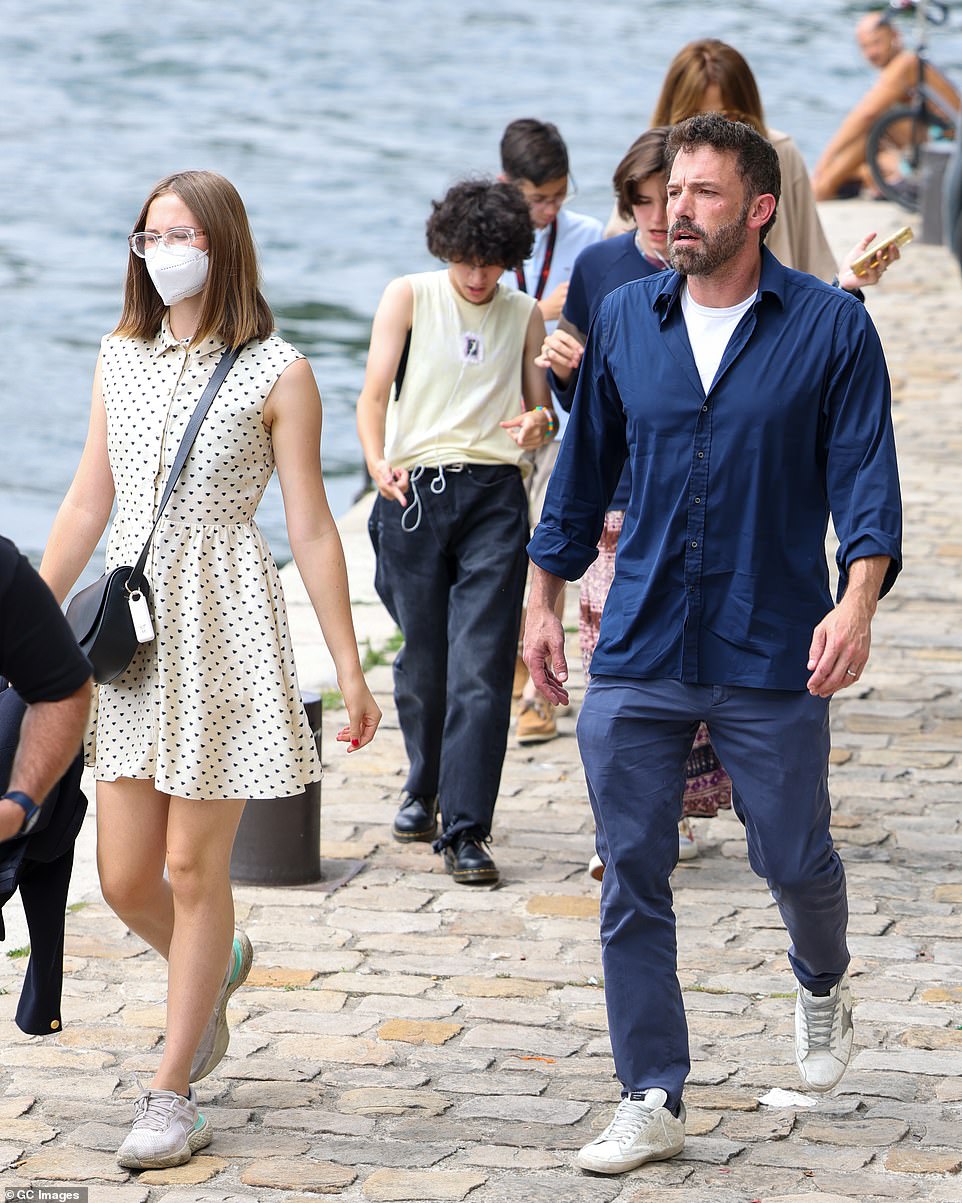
338,120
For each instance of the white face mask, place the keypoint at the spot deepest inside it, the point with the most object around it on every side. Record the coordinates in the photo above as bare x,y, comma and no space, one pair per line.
177,274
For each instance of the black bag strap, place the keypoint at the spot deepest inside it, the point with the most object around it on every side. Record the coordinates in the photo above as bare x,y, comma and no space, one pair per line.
402,367
224,365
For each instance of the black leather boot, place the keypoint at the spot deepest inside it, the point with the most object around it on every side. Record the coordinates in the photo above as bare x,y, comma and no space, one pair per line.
468,861
417,818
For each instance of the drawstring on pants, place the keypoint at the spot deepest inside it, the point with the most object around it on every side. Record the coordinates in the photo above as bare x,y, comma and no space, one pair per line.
437,486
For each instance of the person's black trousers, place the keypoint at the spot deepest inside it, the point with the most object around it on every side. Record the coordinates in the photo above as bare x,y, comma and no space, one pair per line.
454,584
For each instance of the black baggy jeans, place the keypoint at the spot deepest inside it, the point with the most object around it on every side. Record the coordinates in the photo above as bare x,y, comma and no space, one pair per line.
454,585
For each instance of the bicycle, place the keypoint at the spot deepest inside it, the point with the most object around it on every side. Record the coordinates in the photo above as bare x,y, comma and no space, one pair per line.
894,145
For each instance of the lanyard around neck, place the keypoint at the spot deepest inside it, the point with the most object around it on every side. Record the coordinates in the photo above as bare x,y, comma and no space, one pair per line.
545,266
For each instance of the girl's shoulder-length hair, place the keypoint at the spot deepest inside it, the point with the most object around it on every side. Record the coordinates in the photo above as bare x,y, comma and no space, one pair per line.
645,157
234,308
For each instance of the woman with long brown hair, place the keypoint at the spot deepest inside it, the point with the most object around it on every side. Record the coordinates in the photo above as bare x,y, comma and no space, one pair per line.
208,712
707,76
710,76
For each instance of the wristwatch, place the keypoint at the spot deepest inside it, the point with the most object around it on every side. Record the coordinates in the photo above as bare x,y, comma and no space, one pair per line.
30,809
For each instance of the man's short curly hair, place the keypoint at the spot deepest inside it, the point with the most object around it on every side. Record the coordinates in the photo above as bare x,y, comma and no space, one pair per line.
755,157
481,221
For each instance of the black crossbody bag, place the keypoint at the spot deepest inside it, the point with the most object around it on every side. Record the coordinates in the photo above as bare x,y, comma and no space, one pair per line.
111,617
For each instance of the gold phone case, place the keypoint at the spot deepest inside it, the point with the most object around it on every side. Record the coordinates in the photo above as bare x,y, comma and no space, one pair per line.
865,260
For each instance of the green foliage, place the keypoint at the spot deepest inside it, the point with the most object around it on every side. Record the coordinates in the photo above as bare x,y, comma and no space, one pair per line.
373,657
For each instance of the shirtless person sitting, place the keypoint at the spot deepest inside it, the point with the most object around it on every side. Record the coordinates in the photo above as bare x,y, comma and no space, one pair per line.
842,169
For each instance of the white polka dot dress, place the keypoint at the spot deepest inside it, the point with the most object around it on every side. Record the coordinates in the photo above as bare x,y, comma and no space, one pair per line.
211,709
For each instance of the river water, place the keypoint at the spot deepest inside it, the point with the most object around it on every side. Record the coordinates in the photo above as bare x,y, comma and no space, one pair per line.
338,120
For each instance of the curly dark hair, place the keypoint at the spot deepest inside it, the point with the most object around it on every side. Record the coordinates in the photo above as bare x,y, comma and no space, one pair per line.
756,158
481,221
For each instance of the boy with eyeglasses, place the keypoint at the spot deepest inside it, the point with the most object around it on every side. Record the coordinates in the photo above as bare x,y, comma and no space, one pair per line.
535,159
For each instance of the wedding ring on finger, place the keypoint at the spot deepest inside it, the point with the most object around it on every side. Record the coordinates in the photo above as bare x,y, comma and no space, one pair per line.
849,673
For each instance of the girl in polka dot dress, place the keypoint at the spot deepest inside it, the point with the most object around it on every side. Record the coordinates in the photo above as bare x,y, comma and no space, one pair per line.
208,713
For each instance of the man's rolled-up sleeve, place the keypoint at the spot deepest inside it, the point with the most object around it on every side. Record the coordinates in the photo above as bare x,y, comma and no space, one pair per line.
861,470
589,465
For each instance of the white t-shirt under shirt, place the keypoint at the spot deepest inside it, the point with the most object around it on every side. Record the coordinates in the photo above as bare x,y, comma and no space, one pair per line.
709,332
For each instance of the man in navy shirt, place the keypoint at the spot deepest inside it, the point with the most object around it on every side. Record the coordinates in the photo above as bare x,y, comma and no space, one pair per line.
752,402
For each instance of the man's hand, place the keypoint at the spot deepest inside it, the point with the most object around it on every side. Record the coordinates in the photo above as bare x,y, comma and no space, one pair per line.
562,353
392,483
544,638
529,429
11,819
552,305
839,651
841,641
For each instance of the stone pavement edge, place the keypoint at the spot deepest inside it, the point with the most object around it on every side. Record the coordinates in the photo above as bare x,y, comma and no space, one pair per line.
403,1038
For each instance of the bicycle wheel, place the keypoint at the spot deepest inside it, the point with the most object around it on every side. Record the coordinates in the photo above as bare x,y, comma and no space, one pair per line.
893,152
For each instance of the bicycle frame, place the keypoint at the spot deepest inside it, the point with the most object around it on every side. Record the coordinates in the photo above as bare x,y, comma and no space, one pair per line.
926,99
927,102
895,140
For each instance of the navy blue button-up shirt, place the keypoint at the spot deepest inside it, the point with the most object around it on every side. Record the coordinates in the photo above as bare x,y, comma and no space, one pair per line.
721,574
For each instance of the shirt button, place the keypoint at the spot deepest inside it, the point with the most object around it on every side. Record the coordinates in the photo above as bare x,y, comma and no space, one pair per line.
701,455
704,409
693,543
697,501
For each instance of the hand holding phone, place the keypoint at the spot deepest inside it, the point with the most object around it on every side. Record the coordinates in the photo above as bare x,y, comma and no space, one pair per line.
873,253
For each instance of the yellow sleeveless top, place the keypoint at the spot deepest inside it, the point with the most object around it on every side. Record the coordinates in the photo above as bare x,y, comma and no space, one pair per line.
463,377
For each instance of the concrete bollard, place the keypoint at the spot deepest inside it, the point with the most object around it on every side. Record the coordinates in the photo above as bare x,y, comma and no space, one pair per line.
279,839
952,200
935,158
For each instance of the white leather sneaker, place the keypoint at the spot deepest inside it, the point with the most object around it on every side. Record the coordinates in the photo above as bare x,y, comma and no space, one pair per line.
643,1130
167,1130
823,1034
216,1036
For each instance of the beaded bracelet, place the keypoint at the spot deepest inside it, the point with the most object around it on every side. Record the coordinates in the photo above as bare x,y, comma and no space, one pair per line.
552,427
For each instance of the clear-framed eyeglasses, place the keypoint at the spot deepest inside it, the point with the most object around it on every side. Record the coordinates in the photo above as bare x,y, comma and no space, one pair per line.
178,238
541,200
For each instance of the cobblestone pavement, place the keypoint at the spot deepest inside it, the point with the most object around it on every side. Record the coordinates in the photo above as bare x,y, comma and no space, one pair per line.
402,1038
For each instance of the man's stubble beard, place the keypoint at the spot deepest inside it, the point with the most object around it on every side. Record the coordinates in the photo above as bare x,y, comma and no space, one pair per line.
715,250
